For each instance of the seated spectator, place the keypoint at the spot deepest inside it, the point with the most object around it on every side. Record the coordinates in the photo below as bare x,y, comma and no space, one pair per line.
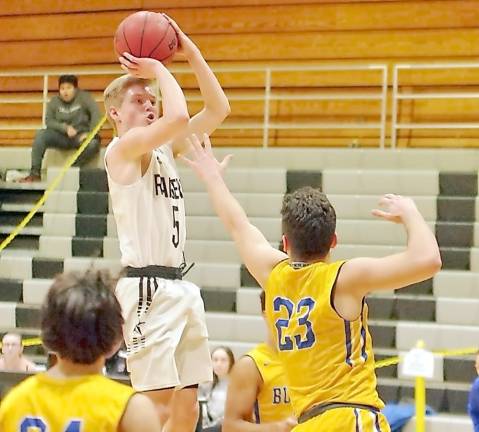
215,393
12,359
70,116
473,405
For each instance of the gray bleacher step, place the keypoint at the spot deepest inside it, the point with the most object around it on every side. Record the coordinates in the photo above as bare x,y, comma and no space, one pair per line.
20,243
93,180
11,290
35,290
349,251
420,288
211,228
458,283
443,423
247,301
242,328
27,315
436,336
241,180
19,252
28,230
458,183
36,186
404,182
460,369
14,218
402,307
254,204
457,311
359,206
217,300
456,208
20,208
383,333
25,332
358,158
442,397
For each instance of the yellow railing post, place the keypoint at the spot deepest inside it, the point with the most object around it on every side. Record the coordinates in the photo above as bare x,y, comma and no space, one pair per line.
420,398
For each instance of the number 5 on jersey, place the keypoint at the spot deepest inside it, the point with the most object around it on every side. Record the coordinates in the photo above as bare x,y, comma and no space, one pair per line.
176,226
299,312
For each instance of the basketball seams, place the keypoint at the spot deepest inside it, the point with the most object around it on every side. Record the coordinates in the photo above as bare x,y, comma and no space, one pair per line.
162,39
123,25
143,32
156,34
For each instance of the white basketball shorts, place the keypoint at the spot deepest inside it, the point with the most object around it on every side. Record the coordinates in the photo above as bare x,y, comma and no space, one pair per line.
165,333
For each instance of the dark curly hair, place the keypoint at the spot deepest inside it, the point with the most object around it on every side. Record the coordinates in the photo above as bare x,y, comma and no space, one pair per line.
309,222
81,318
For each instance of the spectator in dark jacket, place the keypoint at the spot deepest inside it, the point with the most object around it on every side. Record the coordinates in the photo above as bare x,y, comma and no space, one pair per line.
70,116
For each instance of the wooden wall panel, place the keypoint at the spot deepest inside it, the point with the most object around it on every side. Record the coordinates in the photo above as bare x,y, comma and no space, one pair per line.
41,7
263,19
72,34
433,44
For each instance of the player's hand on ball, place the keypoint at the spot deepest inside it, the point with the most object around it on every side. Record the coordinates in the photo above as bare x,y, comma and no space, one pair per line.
203,161
396,208
185,45
140,67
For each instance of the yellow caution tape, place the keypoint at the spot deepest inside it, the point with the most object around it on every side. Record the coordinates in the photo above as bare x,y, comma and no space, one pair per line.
53,185
32,342
379,364
448,353
29,342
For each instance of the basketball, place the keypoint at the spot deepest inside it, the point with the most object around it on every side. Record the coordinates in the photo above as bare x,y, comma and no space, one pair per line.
146,34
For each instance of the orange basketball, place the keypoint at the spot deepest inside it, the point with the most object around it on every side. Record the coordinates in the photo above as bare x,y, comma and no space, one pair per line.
146,34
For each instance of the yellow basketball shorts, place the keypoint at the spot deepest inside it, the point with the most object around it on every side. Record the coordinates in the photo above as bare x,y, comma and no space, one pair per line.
346,420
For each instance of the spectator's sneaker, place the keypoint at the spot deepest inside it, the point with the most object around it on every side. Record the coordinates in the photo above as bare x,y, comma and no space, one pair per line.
30,179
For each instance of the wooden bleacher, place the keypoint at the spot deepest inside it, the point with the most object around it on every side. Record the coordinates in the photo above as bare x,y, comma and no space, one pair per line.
262,32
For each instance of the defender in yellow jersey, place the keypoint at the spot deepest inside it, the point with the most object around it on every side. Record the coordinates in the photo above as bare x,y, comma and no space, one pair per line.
316,308
258,399
82,324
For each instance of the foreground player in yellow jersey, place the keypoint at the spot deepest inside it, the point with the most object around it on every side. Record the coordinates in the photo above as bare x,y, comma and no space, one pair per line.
258,399
315,308
82,324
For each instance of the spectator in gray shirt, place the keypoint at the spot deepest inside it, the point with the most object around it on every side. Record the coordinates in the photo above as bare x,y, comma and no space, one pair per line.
214,394
70,116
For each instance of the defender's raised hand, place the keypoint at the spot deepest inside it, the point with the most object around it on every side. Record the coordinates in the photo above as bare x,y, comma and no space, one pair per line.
396,208
203,161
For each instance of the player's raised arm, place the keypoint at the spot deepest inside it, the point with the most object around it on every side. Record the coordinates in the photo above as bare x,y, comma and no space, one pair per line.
241,399
420,261
153,131
216,106
256,252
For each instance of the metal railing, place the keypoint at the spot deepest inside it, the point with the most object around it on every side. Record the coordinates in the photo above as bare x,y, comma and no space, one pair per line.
397,96
267,96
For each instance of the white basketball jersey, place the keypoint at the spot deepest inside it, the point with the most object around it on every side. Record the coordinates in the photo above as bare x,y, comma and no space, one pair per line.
150,213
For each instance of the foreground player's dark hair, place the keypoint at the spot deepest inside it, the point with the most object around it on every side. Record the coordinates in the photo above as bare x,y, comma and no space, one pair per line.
81,318
309,222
